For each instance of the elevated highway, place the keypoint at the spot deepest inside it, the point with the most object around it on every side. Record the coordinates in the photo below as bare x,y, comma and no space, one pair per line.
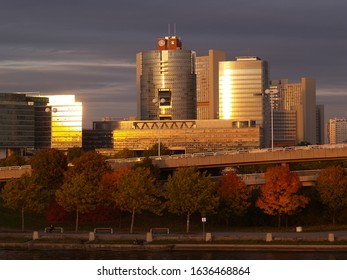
244,157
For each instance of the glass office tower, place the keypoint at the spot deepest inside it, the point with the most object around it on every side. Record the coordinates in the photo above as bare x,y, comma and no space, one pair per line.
24,123
167,73
66,121
241,87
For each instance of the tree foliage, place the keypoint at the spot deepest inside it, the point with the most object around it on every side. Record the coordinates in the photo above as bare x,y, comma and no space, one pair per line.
189,191
22,194
234,195
280,194
13,160
48,168
136,191
78,194
153,151
332,188
91,165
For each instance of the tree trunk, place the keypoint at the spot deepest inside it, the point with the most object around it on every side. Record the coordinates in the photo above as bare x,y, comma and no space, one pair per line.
22,218
188,217
132,221
76,220
334,214
279,220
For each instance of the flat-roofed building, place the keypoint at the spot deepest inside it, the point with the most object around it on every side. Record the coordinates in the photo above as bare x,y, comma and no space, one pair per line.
337,131
187,136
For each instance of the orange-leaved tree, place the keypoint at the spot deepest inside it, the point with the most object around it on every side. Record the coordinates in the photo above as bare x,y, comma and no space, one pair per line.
332,188
234,195
280,194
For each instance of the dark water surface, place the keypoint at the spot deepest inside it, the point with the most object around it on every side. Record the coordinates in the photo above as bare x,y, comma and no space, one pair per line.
166,255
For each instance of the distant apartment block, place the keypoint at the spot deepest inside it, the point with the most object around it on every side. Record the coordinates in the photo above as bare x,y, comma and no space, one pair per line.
300,99
337,131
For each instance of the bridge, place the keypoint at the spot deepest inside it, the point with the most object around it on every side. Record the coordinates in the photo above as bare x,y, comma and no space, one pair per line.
244,157
9,172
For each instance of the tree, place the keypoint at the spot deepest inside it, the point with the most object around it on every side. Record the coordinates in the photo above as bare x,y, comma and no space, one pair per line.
13,160
234,195
48,168
125,153
136,191
189,191
78,194
22,194
280,194
153,151
91,165
332,188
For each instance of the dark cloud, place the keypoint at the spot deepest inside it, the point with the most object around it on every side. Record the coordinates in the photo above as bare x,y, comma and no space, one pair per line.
88,47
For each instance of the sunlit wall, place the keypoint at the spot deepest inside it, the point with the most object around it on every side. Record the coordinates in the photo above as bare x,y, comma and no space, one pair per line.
66,121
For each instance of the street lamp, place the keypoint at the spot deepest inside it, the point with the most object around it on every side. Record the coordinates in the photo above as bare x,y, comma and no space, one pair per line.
158,101
270,92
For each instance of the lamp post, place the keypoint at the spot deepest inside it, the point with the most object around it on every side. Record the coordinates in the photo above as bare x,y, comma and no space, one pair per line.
270,92
158,101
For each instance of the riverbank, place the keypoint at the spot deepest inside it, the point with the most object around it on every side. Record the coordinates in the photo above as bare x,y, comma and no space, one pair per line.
218,241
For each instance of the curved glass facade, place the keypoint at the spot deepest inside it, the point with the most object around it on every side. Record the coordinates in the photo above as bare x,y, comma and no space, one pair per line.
172,71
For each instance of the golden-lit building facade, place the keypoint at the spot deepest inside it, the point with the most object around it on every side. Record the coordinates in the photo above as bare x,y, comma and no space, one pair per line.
241,85
186,136
66,121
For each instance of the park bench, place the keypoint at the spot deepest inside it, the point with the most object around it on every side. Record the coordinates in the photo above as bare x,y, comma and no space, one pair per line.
54,230
103,230
160,230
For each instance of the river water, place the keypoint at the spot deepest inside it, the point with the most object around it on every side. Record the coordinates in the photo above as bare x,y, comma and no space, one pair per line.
166,255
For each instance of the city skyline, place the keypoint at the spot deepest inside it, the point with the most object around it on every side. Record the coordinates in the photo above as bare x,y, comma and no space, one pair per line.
88,48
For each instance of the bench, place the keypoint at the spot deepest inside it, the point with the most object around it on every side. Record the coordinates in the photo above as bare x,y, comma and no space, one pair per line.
103,230
54,230
160,230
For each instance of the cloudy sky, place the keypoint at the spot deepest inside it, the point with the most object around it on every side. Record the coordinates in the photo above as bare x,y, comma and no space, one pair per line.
88,47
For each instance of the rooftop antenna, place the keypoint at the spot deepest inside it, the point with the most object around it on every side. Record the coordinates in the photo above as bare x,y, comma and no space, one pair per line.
168,30
175,29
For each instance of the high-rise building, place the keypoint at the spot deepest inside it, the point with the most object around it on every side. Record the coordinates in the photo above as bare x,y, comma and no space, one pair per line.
166,82
66,121
241,84
25,123
300,98
320,124
207,84
337,131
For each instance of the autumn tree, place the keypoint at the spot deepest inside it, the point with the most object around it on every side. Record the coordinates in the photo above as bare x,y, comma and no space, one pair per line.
234,195
91,165
332,188
22,194
48,168
136,191
13,160
189,191
153,151
280,194
78,194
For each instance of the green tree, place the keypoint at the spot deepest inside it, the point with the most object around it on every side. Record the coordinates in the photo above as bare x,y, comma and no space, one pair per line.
280,194
189,191
136,191
234,195
22,194
78,194
332,188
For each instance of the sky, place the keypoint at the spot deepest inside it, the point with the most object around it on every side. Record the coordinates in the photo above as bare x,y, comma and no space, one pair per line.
88,47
